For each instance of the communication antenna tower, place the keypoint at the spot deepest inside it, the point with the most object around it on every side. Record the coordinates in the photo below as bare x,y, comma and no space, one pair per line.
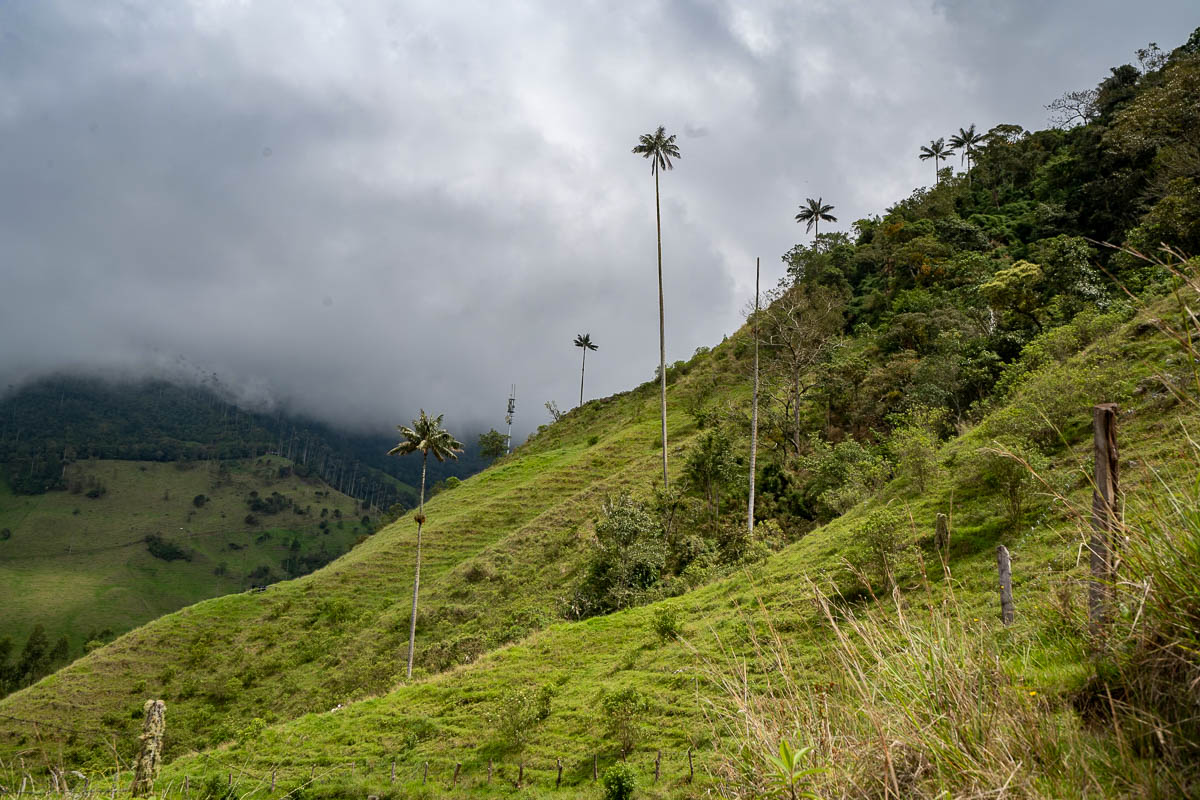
512,409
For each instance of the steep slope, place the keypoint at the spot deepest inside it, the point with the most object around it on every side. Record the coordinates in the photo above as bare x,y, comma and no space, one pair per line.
452,718
499,548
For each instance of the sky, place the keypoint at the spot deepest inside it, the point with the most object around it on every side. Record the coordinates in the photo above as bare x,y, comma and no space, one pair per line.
359,209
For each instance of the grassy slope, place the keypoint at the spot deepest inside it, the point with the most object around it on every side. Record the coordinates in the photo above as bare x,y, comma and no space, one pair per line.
445,719
512,537
79,565
498,551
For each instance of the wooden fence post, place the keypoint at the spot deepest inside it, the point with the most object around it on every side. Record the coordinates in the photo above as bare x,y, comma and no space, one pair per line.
1004,567
521,775
558,780
691,769
657,764
425,775
941,534
393,770
1104,514
489,780
457,767
272,780
186,785
595,767
150,753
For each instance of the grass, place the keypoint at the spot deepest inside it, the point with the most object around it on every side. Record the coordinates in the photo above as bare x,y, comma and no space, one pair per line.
505,546
79,565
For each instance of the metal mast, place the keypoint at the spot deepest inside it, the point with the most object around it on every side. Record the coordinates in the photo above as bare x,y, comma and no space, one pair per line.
512,408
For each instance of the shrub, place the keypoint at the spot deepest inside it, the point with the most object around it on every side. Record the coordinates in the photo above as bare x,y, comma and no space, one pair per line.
881,548
593,440
629,557
520,711
199,500
666,624
5,535
620,782
167,551
623,711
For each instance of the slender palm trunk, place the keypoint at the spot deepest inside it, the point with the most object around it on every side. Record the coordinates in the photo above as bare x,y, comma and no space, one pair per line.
581,371
754,404
662,330
412,625
816,229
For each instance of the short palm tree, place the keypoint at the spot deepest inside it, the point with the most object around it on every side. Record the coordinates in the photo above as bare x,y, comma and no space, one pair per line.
813,213
938,152
660,149
428,437
584,340
966,140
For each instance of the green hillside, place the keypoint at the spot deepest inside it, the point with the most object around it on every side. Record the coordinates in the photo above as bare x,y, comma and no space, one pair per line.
943,360
77,561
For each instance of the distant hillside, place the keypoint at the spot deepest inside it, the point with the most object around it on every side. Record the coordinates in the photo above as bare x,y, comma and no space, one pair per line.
129,541
60,419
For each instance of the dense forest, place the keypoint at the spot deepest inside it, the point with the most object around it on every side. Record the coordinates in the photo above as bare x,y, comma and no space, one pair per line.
49,423
881,343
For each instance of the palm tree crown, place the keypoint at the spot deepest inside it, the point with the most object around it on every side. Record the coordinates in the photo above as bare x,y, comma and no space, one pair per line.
584,340
813,213
428,437
938,152
967,140
659,148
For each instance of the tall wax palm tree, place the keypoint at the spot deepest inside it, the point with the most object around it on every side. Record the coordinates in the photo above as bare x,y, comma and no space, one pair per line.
660,149
584,340
938,152
966,140
754,406
813,213
428,437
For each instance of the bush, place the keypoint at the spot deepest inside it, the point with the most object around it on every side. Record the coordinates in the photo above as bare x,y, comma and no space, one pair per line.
666,624
520,711
619,781
167,551
593,440
623,712
629,558
881,549
199,500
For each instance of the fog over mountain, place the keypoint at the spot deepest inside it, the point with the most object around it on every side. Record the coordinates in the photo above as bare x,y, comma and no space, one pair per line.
360,209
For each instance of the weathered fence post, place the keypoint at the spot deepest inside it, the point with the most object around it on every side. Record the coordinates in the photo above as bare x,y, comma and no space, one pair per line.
186,784
691,769
595,767
1004,567
151,748
941,534
521,775
272,780
558,780
489,780
425,775
457,767
393,770
657,764
1104,514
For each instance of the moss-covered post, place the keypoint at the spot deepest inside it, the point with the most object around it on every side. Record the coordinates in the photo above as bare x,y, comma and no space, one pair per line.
1104,514
1004,567
150,753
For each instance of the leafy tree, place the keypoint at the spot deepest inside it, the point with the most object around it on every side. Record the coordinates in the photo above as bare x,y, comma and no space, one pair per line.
798,329
584,342
711,468
492,444
1016,289
881,547
936,150
623,711
813,213
620,782
629,557
425,436
520,711
914,443
660,149
1073,108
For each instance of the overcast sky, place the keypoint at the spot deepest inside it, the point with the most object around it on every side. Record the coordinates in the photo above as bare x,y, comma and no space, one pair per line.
361,208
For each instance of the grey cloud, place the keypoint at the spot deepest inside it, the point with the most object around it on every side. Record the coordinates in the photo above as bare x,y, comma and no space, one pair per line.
365,208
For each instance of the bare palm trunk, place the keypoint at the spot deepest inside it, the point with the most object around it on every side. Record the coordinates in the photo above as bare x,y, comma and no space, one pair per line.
754,404
581,371
662,330
412,625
